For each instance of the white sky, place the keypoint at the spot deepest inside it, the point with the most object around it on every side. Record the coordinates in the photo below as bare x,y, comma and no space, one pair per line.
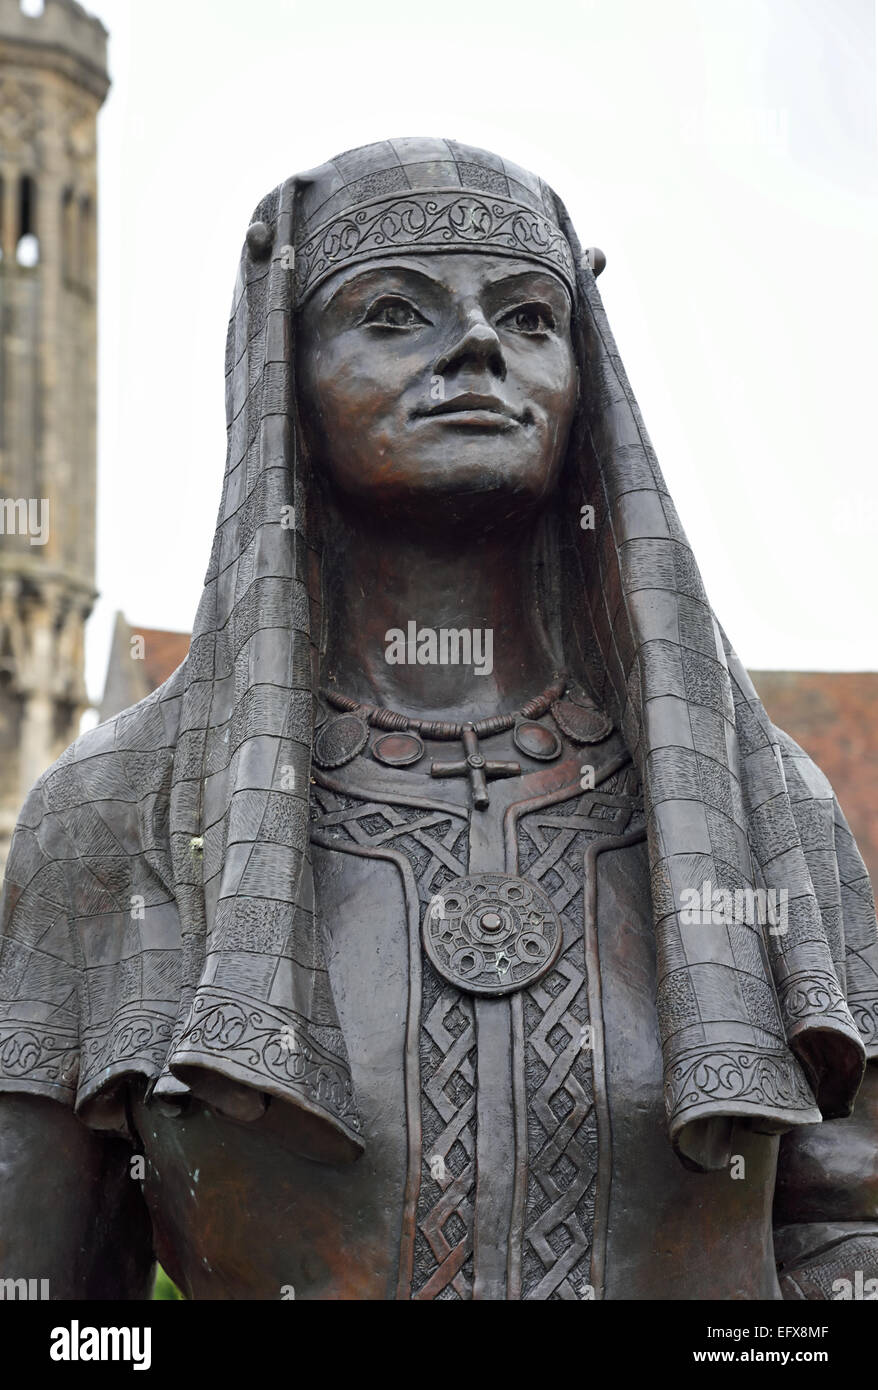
721,152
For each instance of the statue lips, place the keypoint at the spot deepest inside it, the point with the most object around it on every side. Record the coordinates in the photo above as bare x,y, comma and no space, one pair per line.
475,411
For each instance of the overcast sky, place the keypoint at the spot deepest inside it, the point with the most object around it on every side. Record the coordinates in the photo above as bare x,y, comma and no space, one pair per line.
721,152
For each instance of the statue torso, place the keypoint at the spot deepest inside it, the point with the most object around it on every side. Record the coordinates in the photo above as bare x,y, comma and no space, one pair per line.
507,1134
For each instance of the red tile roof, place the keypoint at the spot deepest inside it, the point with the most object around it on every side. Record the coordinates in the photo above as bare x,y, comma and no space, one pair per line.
163,652
834,716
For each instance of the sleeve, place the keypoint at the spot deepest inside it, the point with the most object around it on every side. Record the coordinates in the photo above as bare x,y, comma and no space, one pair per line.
841,883
860,934
828,1260
826,1199
40,975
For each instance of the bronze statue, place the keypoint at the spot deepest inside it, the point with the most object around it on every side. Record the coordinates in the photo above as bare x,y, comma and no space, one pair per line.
453,923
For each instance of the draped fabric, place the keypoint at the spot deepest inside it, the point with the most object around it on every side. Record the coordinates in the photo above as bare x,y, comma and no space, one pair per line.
754,1022
158,913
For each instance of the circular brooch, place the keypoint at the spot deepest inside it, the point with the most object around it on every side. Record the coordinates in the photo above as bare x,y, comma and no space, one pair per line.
536,741
491,934
339,740
398,749
581,720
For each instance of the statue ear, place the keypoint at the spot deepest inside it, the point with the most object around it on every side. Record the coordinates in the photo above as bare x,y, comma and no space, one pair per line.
260,239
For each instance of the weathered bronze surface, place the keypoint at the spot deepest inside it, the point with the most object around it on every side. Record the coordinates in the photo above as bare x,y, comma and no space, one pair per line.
453,923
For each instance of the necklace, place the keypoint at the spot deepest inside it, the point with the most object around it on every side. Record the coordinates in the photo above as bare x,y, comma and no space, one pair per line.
401,741
379,717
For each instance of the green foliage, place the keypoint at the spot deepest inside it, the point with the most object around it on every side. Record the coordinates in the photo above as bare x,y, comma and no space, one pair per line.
164,1288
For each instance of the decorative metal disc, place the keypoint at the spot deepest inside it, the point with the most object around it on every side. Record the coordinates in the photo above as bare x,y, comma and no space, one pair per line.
398,749
491,934
339,740
536,741
581,720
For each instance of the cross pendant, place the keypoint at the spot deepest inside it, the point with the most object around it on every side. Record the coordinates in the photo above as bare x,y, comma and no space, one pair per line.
476,767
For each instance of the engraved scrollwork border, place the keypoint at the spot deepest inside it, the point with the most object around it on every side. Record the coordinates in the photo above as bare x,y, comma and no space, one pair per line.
281,1046
437,220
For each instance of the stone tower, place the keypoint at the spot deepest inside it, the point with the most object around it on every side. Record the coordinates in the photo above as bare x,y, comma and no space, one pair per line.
53,80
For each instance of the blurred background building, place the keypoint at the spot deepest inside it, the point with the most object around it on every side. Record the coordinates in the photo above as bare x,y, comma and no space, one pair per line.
141,658
53,80
834,716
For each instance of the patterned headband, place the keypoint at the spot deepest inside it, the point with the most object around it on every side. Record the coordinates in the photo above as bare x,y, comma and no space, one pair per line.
426,220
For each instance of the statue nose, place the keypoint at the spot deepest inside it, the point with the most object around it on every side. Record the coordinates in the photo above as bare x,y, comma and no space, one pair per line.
479,346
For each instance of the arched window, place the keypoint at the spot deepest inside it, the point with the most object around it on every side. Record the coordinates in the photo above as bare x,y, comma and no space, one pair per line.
27,246
68,237
86,242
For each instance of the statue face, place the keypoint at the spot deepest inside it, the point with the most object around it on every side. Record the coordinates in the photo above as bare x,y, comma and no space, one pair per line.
438,387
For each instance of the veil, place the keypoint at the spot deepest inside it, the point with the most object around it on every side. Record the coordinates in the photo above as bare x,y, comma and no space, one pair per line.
194,805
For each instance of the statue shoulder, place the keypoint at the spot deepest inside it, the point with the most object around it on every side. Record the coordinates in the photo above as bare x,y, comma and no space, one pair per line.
106,790
801,771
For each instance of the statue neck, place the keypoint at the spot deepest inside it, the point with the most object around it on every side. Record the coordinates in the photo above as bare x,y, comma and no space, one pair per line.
389,599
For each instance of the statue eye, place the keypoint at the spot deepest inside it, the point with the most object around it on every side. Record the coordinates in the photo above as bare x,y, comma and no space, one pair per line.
392,311
534,319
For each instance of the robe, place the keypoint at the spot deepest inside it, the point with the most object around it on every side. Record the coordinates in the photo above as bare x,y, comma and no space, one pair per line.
514,1146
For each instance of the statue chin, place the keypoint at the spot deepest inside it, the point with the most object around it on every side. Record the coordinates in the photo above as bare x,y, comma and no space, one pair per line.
474,484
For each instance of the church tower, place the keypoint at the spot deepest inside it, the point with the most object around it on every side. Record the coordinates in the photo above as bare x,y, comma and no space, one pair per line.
53,80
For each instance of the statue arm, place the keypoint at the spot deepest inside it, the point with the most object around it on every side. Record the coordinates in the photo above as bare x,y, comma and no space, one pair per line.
826,1204
70,1212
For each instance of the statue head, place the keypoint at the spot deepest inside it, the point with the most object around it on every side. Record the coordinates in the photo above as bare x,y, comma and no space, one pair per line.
444,381
436,369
